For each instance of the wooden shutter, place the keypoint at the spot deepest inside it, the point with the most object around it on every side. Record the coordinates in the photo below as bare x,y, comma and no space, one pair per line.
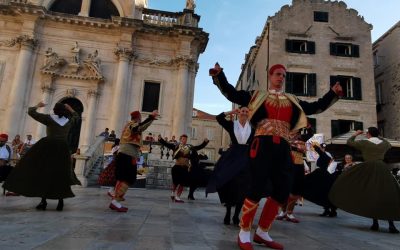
312,85
357,93
335,128
311,47
358,125
289,82
356,50
333,49
289,45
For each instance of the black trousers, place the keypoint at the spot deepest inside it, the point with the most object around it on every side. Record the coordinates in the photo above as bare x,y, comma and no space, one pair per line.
271,169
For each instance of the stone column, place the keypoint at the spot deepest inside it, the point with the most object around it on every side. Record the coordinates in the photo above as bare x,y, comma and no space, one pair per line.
117,120
46,99
15,106
179,124
85,8
87,137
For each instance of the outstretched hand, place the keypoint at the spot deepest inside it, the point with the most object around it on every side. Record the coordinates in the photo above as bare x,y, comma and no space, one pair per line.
337,88
216,70
154,113
40,105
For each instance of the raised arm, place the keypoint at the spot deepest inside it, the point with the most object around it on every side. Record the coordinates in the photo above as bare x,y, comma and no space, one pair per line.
42,118
166,144
221,119
240,97
201,146
320,105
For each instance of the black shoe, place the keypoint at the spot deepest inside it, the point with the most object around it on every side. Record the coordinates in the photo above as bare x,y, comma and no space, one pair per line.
333,214
42,205
325,213
60,205
235,220
375,227
227,220
393,230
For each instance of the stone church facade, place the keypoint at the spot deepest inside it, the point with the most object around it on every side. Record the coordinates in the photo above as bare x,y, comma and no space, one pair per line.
105,58
320,42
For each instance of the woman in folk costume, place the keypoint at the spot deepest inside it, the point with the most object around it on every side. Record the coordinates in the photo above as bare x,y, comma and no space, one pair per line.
125,161
369,189
180,171
231,176
274,115
45,170
298,149
318,183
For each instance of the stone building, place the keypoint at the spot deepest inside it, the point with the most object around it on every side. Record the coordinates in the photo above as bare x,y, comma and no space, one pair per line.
387,81
205,125
320,42
105,58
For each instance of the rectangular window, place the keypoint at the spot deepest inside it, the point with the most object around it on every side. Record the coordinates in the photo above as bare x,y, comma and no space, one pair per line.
313,123
351,86
344,49
301,84
340,127
210,134
321,16
300,46
151,96
194,133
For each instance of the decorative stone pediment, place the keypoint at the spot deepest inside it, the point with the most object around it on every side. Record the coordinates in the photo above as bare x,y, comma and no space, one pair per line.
88,69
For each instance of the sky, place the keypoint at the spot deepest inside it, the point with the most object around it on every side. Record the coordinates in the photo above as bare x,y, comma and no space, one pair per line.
233,26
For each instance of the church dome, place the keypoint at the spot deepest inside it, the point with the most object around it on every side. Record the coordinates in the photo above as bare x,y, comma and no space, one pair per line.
98,8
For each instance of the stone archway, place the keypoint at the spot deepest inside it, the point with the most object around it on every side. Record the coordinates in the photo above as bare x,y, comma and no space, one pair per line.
75,131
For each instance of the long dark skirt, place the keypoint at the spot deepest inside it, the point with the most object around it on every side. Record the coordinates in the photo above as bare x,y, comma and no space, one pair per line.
368,189
180,175
125,168
317,186
44,171
271,169
231,175
298,180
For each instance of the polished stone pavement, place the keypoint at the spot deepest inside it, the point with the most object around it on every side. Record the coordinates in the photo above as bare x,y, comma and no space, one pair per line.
154,222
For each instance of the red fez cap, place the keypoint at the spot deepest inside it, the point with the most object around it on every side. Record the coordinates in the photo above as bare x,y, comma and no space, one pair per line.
4,136
135,114
275,67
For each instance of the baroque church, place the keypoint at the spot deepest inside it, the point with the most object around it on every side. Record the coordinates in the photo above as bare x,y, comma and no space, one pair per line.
105,58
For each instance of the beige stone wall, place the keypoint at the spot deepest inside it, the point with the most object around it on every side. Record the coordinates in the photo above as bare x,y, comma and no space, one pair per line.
387,74
297,22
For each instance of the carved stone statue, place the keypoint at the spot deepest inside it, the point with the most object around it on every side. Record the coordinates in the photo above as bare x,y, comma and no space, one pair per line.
52,61
75,51
190,4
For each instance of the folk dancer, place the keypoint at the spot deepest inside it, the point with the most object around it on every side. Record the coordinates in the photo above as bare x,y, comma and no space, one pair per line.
274,114
125,161
180,171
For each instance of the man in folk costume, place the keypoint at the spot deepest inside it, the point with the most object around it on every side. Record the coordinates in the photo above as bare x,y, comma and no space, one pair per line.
129,151
274,114
5,157
182,152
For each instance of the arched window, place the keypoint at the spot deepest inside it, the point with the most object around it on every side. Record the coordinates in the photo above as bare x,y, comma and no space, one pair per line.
103,9
72,7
